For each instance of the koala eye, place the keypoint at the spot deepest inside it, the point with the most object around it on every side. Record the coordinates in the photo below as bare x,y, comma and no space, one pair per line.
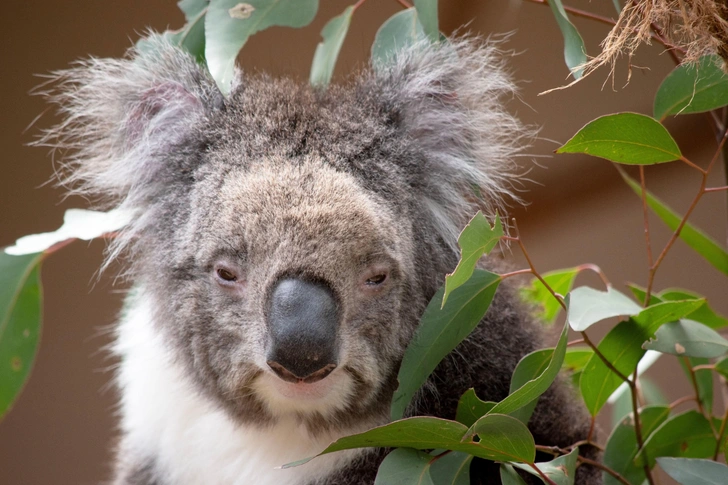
376,280
226,276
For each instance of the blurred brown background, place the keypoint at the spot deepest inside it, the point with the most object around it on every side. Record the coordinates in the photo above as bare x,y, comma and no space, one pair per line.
62,427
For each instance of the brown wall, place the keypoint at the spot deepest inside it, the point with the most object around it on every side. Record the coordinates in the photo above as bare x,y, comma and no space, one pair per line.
61,429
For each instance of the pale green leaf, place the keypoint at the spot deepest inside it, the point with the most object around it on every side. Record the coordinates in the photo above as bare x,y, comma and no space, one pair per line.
509,476
401,30
452,469
476,239
229,24
506,434
536,294
427,14
574,50
471,408
327,51
561,470
688,338
405,466
693,471
588,306
687,435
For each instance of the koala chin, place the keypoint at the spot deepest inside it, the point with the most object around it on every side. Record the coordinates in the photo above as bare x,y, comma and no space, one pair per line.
285,242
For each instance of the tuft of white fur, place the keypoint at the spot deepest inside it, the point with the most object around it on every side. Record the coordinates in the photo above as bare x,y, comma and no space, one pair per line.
119,116
451,96
194,441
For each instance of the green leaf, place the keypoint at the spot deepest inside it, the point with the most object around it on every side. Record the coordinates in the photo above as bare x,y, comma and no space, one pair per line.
688,338
192,8
452,469
722,367
621,448
622,347
628,138
405,466
478,238
705,314
588,306
509,476
20,323
324,59
560,281
640,294
686,435
535,387
506,434
191,37
691,471
440,331
574,50
651,391
471,408
693,237
427,14
505,440
576,358
692,89
560,470
703,380
401,30
229,24
529,367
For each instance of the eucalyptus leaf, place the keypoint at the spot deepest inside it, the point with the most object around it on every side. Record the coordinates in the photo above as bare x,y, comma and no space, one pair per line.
452,469
622,448
506,440
529,367
506,434
20,323
588,306
700,242
692,89
192,8
721,367
229,24
561,470
401,30
327,51
628,138
405,466
693,471
509,476
536,294
688,338
703,380
704,314
535,387
576,358
687,435
471,408
441,330
475,240
427,14
622,347
574,50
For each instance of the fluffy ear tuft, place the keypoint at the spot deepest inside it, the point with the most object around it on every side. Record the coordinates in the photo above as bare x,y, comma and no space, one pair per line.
449,98
121,117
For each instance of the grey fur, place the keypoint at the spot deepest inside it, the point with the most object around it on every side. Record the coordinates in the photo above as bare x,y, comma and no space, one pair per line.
281,179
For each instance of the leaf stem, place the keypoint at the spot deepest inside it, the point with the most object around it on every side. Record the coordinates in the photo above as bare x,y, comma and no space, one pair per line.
717,189
638,428
691,164
721,434
575,342
605,468
404,3
597,270
543,476
609,365
680,401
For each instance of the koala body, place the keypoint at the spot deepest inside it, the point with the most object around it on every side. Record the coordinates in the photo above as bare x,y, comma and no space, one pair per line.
285,243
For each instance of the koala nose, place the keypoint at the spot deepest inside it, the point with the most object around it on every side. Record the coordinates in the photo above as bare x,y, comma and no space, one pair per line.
303,321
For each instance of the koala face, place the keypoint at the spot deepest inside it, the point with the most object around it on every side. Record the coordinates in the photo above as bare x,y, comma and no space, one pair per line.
291,303
291,237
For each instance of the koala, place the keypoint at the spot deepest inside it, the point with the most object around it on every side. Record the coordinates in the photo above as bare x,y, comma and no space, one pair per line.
285,242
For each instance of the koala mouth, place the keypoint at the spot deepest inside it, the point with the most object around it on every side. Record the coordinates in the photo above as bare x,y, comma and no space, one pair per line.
289,376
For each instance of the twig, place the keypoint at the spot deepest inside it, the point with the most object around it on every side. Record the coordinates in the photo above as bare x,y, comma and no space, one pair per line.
691,164
680,401
721,434
404,3
543,476
638,429
605,468
358,4
645,215
597,270
575,342
716,189
604,359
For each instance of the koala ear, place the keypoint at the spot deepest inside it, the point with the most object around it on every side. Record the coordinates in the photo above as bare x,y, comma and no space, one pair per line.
122,117
448,99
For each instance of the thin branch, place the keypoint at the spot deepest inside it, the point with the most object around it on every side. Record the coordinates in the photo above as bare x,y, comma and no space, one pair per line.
680,401
358,4
694,382
605,468
597,270
638,429
516,273
575,342
543,476
691,164
604,359
404,3
716,189
646,218
721,434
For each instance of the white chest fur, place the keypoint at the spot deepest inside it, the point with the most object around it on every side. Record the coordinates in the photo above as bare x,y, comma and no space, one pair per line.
193,441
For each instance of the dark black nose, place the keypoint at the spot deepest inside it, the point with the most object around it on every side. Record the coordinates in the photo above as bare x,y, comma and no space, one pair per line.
303,323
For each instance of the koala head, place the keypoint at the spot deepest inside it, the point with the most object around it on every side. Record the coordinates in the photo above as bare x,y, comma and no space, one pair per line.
291,237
